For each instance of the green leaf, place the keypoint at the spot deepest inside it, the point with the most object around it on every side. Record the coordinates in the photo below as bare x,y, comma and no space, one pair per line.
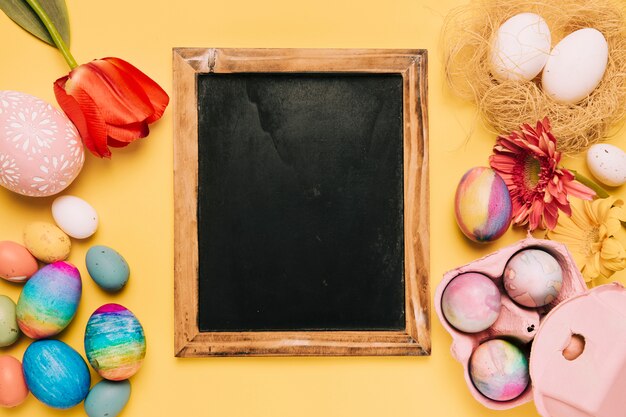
20,12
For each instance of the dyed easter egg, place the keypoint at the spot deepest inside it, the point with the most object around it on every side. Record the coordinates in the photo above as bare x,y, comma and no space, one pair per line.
47,242
75,216
9,330
56,374
16,262
49,300
482,205
40,150
107,268
471,302
107,398
533,278
499,370
13,389
114,342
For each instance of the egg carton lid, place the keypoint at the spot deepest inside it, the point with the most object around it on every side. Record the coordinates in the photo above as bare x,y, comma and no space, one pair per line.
592,384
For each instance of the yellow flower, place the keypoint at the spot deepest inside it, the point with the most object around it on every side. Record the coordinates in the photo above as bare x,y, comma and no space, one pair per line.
590,236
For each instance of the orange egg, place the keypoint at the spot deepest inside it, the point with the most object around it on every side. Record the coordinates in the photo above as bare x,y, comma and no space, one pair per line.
16,262
13,389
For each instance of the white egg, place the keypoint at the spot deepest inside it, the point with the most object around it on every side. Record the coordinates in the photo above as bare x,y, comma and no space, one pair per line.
607,164
520,48
576,66
75,216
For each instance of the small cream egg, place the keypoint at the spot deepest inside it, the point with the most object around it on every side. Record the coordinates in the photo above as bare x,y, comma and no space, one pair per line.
75,216
520,48
607,164
47,242
576,66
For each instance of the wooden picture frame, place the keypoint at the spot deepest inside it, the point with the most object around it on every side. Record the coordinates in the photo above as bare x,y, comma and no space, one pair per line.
414,339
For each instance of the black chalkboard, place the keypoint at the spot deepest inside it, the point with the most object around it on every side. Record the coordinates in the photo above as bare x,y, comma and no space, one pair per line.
300,202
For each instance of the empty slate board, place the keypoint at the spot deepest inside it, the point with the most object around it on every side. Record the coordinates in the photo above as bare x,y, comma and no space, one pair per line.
301,202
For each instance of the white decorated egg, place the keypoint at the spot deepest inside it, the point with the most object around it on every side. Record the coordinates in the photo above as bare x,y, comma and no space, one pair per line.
576,66
520,48
607,164
75,216
40,150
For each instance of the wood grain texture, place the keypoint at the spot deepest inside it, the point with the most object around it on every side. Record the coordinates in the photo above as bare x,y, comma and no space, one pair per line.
415,339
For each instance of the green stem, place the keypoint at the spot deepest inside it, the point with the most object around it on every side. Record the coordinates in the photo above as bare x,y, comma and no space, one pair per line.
600,192
54,33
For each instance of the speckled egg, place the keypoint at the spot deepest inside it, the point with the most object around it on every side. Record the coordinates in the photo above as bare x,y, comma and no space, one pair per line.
482,205
9,330
40,150
47,242
607,164
16,262
471,302
49,300
499,370
13,389
56,374
107,398
114,342
107,268
75,216
533,278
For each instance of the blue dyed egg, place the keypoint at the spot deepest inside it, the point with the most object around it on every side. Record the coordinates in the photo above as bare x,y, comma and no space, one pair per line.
56,374
107,398
107,268
114,342
49,300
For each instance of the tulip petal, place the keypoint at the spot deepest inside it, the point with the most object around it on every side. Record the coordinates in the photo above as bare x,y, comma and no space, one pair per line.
120,99
95,122
128,133
92,131
116,143
158,97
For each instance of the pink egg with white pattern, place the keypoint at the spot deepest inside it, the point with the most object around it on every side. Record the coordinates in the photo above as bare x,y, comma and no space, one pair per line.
40,149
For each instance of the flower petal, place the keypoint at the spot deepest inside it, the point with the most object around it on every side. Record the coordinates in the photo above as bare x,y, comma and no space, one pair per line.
128,133
121,99
158,97
85,116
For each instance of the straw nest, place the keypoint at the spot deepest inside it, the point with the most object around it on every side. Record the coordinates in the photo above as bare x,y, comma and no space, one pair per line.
466,38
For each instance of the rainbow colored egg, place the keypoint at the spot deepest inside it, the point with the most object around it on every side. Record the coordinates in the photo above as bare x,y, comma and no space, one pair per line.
56,374
499,370
114,342
49,300
482,205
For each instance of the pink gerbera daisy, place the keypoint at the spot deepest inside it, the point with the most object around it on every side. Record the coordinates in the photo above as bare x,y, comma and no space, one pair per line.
528,162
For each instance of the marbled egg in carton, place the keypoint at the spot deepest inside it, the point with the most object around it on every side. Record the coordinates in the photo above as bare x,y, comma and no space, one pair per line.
515,322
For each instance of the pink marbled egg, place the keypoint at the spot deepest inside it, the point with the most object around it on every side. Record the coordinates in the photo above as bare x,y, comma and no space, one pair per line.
471,302
40,150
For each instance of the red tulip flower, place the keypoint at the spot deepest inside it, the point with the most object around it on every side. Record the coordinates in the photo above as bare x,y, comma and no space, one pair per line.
111,103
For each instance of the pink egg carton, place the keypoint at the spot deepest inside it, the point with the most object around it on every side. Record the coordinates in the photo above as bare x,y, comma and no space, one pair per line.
515,322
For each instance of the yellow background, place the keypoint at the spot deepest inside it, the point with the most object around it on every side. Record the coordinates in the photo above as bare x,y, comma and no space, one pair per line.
133,194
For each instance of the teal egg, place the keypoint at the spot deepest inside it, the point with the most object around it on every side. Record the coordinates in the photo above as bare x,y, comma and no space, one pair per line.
107,398
107,268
